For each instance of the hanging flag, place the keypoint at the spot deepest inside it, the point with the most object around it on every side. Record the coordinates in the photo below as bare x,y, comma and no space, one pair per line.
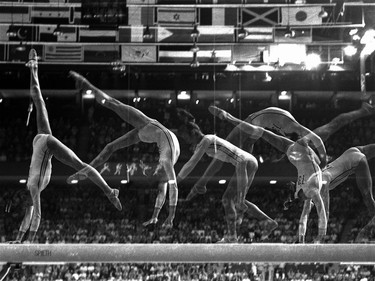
55,14
218,16
135,2
300,36
47,14
260,16
15,14
3,32
257,34
68,53
302,15
139,53
97,35
69,33
174,34
140,15
248,53
135,34
182,54
206,34
100,53
23,33
176,16
217,34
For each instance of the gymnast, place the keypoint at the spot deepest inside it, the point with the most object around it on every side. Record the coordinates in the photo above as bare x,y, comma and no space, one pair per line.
246,165
353,161
284,123
309,181
45,145
146,130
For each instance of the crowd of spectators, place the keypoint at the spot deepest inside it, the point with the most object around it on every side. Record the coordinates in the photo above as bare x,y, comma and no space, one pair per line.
192,272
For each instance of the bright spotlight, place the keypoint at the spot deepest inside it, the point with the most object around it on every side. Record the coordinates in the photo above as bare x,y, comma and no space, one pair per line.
312,61
350,50
222,181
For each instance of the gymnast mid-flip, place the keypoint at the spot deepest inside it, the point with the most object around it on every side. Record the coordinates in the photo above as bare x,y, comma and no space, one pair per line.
309,181
246,165
146,130
45,146
353,161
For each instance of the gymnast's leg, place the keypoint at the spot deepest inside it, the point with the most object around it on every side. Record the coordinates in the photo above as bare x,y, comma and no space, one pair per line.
128,113
325,131
255,132
42,121
68,157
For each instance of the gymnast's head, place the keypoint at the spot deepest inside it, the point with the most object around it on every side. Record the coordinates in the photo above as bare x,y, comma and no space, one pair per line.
189,131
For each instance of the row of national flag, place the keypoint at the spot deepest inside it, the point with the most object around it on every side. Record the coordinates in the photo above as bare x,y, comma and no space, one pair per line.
172,16
74,53
254,16
162,34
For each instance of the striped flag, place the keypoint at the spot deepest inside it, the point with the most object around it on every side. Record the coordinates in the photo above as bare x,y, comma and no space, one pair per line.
218,16
140,15
43,14
138,53
303,15
205,54
100,53
178,16
248,53
257,34
301,36
97,35
15,14
135,34
68,53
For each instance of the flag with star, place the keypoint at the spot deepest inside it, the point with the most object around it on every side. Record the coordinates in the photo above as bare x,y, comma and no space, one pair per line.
175,16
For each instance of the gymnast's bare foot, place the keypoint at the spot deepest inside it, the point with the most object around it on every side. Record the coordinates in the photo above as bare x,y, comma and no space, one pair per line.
218,112
113,197
270,225
33,59
368,108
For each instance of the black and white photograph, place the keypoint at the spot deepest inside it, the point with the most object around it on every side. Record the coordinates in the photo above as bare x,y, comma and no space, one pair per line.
187,140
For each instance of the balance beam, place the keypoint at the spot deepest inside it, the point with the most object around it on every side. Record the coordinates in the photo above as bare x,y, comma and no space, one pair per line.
187,253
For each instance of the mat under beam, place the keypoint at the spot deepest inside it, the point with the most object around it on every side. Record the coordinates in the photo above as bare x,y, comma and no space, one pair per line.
187,253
